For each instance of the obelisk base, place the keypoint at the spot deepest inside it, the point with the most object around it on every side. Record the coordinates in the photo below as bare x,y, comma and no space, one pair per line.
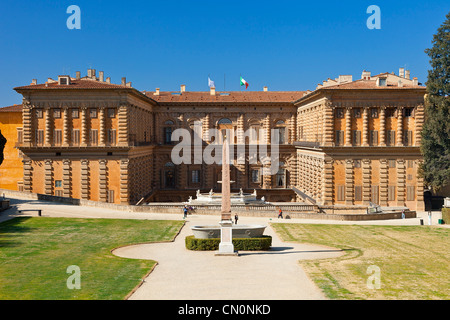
226,247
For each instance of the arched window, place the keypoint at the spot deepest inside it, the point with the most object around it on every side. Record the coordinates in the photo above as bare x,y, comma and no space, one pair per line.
254,127
280,177
167,131
224,121
169,175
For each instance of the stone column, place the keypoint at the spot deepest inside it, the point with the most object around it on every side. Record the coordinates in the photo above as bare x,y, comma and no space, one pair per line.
84,179
124,181
226,189
67,178
366,181
48,127
84,128
48,177
102,127
382,141
267,127
240,129
348,127
365,133
292,128
384,181
399,126
401,182
206,127
103,180
66,129
349,182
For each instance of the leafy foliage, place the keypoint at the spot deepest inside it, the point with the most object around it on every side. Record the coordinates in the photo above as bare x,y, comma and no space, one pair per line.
2,146
435,145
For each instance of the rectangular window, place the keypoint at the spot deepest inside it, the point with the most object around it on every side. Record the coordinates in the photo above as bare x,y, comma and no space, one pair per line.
167,135
390,137
93,137
39,137
407,138
356,137
357,113
373,137
282,135
57,137
19,135
339,113
111,113
407,112
358,193
339,137
58,193
58,183
391,193
391,163
93,113
390,113
76,137
112,137
57,113
357,163
255,175
195,176
374,113
375,194
410,163
75,113
410,193
340,193
39,113
110,196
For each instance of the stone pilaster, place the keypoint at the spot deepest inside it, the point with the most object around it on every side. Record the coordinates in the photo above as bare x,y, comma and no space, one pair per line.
292,128
384,180
66,127
401,182
206,127
103,180
67,178
328,182
267,127
84,128
102,128
419,118
399,126
328,124
27,175
123,126
365,133
382,141
366,181
124,181
240,129
85,179
349,182
348,127
27,125
48,176
48,127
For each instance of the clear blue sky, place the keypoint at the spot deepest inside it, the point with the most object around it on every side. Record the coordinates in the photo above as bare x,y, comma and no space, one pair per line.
286,45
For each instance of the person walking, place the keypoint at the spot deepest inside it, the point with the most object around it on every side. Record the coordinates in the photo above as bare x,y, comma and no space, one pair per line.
185,210
236,218
429,218
280,214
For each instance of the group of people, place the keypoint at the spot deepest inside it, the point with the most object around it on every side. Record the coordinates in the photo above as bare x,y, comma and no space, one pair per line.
186,210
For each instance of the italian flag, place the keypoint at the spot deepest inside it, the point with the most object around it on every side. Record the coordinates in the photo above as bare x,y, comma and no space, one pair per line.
244,83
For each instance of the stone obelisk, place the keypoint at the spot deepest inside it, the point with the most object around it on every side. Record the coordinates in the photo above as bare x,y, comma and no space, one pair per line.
226,245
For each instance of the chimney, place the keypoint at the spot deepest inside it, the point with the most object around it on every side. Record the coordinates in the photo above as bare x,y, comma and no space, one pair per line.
401,73
34,81
365,75
101,76
183,88
89,73
408,74
212,91
265,89
156,92
415,81
93,74
124,81
108,80
128,84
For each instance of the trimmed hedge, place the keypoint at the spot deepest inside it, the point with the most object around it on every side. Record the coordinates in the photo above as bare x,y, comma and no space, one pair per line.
244,244
446,215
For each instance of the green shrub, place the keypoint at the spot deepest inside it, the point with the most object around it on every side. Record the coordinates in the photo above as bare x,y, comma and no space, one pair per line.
446,215
244,244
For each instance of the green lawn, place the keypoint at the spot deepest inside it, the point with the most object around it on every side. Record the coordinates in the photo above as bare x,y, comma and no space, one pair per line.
413,260
35,254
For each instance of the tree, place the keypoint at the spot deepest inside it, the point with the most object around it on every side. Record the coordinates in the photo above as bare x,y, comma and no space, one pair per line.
435,146
2,146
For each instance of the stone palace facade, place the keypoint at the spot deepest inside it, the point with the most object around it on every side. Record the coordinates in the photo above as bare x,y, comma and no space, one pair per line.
349,142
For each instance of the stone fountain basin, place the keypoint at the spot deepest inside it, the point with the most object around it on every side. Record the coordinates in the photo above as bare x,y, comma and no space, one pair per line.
239,231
